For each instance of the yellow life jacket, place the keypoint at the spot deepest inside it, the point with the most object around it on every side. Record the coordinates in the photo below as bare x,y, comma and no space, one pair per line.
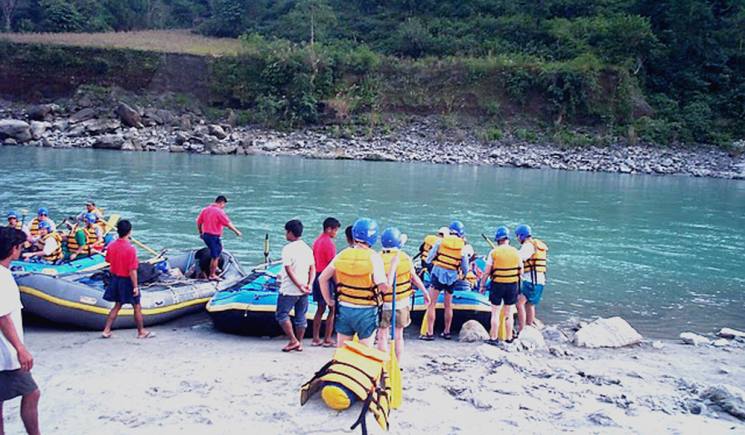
354,277
449,253
472,278
539,260
57,254
403,275
91,238
72,242
356,372
33,228
505,264
429,242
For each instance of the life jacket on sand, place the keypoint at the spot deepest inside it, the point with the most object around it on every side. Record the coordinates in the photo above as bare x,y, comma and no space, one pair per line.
403,275
356,372
354,277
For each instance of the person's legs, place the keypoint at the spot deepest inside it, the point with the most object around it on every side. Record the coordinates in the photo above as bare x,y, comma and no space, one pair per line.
111,318
213,267
448,312
30,412
383,337
317,320
507,314
369,341
521,312
341,339
284,305
139,320
529,313
328,341
399,343
301,310
432,310
494,324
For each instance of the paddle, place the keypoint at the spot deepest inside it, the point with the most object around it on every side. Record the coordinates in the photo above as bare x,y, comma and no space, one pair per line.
394,371
266,248
502,328
136,242
24,213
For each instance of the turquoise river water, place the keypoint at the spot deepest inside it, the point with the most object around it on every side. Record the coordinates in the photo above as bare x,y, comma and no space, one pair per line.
665,253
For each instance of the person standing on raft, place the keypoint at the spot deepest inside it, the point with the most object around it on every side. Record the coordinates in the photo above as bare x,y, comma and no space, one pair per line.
324,250
534,254
401,275
360,279
296,278
449,261
123,288
210,223
504,266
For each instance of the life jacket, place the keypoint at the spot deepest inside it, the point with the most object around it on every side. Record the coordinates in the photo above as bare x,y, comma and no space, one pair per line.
72,242
91,239
505,264
354,277
449,253
403,275
17,226
472,278
33,228
57,254
537,263
427,245
356,372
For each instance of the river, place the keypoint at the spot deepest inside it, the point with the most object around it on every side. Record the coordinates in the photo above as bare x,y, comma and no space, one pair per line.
665,253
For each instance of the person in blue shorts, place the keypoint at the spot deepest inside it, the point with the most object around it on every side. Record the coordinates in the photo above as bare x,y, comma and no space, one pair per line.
534,254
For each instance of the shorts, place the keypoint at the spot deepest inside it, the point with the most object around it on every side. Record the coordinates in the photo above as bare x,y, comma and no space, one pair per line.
214,243
14,383
120,290
317,296
532,292
360,321
285,304
403,318
437,285
506,292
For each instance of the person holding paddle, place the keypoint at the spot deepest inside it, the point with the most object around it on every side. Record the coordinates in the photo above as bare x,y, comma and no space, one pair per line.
210,223
401,277
504,266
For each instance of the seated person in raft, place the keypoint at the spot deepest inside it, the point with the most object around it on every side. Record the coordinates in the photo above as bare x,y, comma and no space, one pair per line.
51,250
87,240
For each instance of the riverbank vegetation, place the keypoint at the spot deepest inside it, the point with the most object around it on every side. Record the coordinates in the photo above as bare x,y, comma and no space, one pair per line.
667,71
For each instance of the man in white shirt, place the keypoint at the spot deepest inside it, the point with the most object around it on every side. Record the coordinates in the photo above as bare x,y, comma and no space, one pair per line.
15,360
296,279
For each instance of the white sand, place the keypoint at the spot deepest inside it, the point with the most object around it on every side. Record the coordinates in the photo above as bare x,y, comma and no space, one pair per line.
194,379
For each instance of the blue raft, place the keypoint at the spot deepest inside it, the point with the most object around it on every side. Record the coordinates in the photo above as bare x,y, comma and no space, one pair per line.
83,264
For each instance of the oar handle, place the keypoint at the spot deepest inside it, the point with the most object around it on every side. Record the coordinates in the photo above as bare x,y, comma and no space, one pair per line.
488,240
266,247
137,242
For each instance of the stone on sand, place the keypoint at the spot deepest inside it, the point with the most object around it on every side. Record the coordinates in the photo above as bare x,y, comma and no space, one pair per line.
726,397
530,338
694,339
612,332
472,331
730,333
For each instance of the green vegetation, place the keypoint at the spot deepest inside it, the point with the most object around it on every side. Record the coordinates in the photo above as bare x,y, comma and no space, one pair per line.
656,70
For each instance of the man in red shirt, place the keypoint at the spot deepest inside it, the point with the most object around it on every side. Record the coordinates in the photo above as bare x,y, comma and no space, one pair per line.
324,250
210,223
123,288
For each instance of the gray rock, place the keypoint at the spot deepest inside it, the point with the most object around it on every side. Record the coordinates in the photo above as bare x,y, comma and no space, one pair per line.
38,128
553,333
721,342
214,146
185,122
83,115
10,142
109,142
472,331
14,129
129,116
128,145
61,125
730,333
378,157
600,418
39,112
727,398
530,338
612,332
176,149
694,339
658,345
216,131
101,126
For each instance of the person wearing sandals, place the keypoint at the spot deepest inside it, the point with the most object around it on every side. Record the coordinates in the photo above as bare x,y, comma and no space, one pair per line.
123,287
296,278
449,261
210,223
324,250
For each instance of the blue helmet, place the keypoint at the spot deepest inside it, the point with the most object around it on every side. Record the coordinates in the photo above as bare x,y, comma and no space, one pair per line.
91,218
391,238
43,211
365,230
12,214
44,225
522,232
457,228
502,233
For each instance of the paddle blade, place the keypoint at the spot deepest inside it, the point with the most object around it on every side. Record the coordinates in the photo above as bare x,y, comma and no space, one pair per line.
425,325
502,330
355,338
111,223
394,373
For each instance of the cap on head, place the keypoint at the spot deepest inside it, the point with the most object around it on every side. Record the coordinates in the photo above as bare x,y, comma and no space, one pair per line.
522,232
43,211
365,230
457,228
391,238
502,233
91,218
443,231
12,215
44,225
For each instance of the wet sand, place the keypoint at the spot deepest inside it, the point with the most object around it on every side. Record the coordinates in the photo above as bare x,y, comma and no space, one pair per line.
194,379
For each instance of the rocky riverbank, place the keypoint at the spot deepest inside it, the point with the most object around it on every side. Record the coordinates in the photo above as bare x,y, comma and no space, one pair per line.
108,122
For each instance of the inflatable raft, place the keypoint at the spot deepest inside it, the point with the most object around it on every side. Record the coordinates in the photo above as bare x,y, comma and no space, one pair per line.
170,289
249,307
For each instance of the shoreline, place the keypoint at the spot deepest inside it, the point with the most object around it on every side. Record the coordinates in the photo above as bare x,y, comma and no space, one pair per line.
192,377
115,125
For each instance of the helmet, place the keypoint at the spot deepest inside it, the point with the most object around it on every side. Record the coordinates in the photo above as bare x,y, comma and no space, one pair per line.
12,214
365,230
43,211
444,231
522,232
391,238
502,233
91,218
44,225
457,228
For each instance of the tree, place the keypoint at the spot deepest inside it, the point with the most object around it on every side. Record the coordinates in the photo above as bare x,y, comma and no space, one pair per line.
8,7
310,19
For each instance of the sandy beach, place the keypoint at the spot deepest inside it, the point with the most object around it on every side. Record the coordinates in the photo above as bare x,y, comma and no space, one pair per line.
192,378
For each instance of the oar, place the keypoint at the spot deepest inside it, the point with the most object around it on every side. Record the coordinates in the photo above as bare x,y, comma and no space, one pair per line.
138,243
266,248
502,328
394,371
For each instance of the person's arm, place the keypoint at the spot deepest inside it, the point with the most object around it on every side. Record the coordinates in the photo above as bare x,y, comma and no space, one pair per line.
199,222
234,229
526,251
135,287
311,277
323,282
419,284
379,276
464,264
8,330
394,268
81,240
433,252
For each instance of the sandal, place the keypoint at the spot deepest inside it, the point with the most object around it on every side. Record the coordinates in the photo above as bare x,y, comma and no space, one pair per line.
446,335
316,343
148,335
427,337
329,344
291,347
107,336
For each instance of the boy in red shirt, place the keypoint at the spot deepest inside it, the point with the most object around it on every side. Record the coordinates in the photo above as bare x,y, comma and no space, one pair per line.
210,223
324,250
123,289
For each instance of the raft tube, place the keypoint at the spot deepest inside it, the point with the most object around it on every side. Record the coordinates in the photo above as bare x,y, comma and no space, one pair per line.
76,299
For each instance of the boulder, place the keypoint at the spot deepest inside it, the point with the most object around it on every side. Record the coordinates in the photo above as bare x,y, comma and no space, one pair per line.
83,115
472,331
214,146
612,332
185,122
730,333
129,116
38,128
378,157
176,149
14,129
216,131
530,338
721,342
101,126
727,398
553,333
109,142
694,339
39,112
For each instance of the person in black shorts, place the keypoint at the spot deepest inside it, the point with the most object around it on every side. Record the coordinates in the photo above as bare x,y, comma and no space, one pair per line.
504,267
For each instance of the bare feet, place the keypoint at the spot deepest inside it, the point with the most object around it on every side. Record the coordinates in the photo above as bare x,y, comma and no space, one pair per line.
293,346
146,334
106,334
316,342
329,343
